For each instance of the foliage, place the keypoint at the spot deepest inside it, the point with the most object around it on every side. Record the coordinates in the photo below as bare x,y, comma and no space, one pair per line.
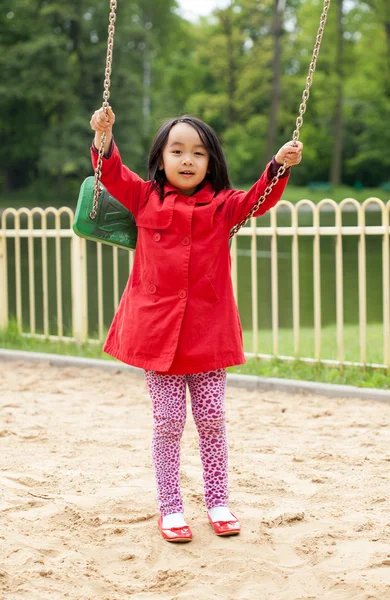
221,68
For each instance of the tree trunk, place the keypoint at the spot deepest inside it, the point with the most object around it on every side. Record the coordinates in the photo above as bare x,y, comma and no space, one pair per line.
387,32
227,27
277,32
335,174
147,84
147,72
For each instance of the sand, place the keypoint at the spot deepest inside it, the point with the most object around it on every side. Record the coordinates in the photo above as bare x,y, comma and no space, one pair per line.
309,481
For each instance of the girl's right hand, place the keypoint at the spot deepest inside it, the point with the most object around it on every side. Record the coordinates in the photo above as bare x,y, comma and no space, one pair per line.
101,121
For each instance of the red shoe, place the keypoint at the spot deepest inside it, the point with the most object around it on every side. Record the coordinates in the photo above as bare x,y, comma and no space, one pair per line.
175,534
226,527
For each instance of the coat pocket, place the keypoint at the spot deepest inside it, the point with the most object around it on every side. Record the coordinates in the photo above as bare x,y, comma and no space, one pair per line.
204,291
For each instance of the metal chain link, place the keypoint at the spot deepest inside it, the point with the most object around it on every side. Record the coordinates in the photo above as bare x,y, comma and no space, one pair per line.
106,96
299,122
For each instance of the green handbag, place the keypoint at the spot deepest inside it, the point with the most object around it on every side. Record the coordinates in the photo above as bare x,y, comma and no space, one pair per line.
111,223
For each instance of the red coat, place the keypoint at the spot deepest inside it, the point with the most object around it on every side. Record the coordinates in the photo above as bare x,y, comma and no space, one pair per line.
177,313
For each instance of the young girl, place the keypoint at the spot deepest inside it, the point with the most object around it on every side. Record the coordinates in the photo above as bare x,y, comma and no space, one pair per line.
177,318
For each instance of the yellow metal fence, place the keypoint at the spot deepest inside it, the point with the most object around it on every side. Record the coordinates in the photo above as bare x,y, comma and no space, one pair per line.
39,235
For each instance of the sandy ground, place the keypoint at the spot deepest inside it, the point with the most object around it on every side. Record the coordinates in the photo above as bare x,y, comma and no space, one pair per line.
309,480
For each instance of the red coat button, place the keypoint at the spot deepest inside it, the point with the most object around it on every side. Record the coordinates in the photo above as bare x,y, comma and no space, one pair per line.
157,237
186,241
182,294
152,289
190,201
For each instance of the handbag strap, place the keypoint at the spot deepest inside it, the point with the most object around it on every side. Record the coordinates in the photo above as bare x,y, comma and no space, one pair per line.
299,122
106,95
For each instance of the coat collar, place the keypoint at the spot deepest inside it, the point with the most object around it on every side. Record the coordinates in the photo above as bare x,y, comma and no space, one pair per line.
202,196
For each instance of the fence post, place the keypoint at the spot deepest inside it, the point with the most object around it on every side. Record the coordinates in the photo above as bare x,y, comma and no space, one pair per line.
386,289
255,300
3,283
79,289
233,253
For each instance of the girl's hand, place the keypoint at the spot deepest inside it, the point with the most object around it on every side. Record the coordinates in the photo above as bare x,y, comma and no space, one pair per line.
101,121
290,153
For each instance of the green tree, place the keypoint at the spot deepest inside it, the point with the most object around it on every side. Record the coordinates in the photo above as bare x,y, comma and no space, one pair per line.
242,70
53,59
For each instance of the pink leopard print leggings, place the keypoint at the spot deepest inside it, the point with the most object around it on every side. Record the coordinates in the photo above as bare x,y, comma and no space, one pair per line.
168,395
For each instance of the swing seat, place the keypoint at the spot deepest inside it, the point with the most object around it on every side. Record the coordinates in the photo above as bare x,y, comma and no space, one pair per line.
114,224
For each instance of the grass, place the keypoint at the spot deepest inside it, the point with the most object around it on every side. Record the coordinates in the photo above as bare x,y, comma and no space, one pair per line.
41,194
328,342
11,339
298,370
295,193
46,195
372,378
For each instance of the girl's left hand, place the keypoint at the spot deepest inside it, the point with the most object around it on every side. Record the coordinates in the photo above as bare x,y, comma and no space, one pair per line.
290,153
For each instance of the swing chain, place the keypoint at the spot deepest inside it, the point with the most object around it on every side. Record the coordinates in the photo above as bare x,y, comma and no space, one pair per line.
106,96
299,122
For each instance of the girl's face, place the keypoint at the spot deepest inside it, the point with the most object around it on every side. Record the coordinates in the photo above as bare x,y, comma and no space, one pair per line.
185,159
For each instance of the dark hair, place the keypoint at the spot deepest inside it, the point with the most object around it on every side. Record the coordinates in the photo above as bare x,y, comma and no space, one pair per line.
218,175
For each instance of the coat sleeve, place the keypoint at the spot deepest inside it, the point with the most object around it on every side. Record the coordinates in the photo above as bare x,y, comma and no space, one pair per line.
239,203
127,187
